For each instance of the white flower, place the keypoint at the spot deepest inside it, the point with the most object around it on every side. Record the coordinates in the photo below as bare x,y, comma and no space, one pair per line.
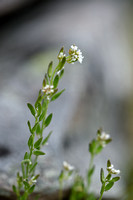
32,180
61,55
104,136
67,166
48,89
74,47
112,170
75,54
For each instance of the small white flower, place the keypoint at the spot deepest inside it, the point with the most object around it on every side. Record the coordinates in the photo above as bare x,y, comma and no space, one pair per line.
32,180
110,167
112,170
48,89
61,55
104,136
67,166
74,47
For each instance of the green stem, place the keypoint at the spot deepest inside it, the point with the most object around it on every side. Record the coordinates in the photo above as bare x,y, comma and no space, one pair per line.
102,191
23,170
60,191
90,167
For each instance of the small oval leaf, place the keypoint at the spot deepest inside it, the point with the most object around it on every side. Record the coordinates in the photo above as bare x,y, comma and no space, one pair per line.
109,186
46,139
56,81
31,108
54,97
38,142
115,179
102,176
30,142
48,120
50,69
38,153
31,189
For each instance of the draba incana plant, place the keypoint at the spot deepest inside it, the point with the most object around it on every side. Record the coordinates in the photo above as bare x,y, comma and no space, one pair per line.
81,186
27,178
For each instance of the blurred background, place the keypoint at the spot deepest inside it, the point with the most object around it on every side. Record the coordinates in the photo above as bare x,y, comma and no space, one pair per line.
99,93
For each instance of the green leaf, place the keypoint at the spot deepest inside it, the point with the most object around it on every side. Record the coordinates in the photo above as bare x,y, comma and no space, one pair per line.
61,64
98,149
36,177
44,104
115,179
50,67
42,115
46,139
56,81
102,176
92,146
32,110
108,177
29,125
109,186
47,79
34,128
38,129
38,153
26,156
61,73
30,141
44,82
26,184
38,109
48,120
108,163
37,143
91,171
31,189
33,167
14,189
39,99
54,97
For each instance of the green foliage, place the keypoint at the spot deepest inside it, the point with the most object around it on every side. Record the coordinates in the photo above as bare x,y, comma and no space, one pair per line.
46,138
38,153
57,95
31,108
26,180
81,186
48,120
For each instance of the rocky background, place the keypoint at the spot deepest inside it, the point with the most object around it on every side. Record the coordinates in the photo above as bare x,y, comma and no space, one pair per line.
98,93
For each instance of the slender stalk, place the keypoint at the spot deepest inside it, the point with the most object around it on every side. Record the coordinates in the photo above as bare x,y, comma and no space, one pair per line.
90,168
61,191
102,191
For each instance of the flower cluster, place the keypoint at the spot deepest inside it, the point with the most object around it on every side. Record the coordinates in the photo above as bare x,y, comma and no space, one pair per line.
112,170
67,166
74,55
103,138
